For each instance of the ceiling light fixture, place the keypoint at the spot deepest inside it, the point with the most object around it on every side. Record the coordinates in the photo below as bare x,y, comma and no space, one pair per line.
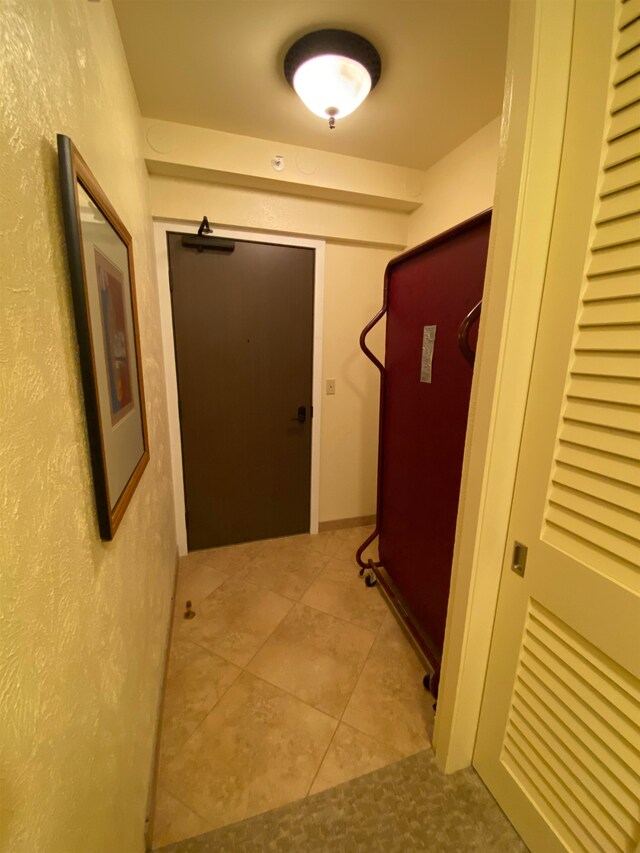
332,71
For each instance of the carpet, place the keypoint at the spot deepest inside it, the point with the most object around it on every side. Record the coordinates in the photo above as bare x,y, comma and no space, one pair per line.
407,807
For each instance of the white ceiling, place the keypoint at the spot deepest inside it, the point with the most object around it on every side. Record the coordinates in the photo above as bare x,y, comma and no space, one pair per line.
218,64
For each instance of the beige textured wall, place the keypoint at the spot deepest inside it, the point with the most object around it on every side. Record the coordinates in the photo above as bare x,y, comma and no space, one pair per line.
264,210
203,154
458,186
349,445
82,623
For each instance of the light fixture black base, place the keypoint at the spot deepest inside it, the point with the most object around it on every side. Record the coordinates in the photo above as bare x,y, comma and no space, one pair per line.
339,42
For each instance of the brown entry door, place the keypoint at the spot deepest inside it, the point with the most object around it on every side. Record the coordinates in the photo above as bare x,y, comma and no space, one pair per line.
243,326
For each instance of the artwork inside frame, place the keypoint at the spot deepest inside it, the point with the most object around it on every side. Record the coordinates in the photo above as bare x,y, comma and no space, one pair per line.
101,268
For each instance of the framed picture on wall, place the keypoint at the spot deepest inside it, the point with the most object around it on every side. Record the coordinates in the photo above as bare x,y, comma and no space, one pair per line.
100,255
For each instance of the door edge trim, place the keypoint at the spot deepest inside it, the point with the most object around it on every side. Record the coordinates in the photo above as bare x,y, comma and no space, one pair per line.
163,226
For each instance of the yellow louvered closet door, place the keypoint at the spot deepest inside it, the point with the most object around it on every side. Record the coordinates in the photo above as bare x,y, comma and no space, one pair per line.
559,737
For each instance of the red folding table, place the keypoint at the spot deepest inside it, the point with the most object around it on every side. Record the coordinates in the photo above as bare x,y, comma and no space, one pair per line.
432,298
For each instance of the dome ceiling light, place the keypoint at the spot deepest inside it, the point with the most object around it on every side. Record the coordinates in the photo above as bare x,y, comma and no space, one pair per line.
332,71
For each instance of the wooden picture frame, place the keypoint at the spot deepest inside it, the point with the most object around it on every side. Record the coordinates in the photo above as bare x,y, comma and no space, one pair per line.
101,268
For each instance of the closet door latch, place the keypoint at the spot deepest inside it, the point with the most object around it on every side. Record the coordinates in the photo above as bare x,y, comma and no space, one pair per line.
519,559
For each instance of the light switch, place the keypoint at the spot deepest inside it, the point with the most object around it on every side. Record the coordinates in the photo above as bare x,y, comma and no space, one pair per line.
331,386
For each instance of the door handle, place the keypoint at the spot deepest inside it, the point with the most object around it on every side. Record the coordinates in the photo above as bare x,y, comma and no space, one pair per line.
301,417
463,333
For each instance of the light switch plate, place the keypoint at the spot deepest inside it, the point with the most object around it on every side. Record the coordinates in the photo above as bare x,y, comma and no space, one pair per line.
331,386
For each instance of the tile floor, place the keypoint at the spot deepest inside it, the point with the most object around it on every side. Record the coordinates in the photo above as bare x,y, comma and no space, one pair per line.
292,678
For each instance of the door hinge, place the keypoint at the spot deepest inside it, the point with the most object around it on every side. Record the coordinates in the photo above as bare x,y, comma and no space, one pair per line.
519,559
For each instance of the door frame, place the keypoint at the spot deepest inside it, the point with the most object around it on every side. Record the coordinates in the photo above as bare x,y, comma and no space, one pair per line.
160,229
534,110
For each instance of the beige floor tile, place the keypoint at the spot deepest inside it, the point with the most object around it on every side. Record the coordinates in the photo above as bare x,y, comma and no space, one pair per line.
227,558
289,573
347,552
389,702
352,541
196,679
326,543
397,639
314,656
342,544
340,532
173,821
352,754
234,621
281,545
258,749
358,532
196,581
234,745
340,591
320,543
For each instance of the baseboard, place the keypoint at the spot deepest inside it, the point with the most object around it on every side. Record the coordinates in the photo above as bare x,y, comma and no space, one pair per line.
153,783
342,523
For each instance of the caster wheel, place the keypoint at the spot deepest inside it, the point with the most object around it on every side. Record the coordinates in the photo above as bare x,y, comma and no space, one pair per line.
431,682
370,580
